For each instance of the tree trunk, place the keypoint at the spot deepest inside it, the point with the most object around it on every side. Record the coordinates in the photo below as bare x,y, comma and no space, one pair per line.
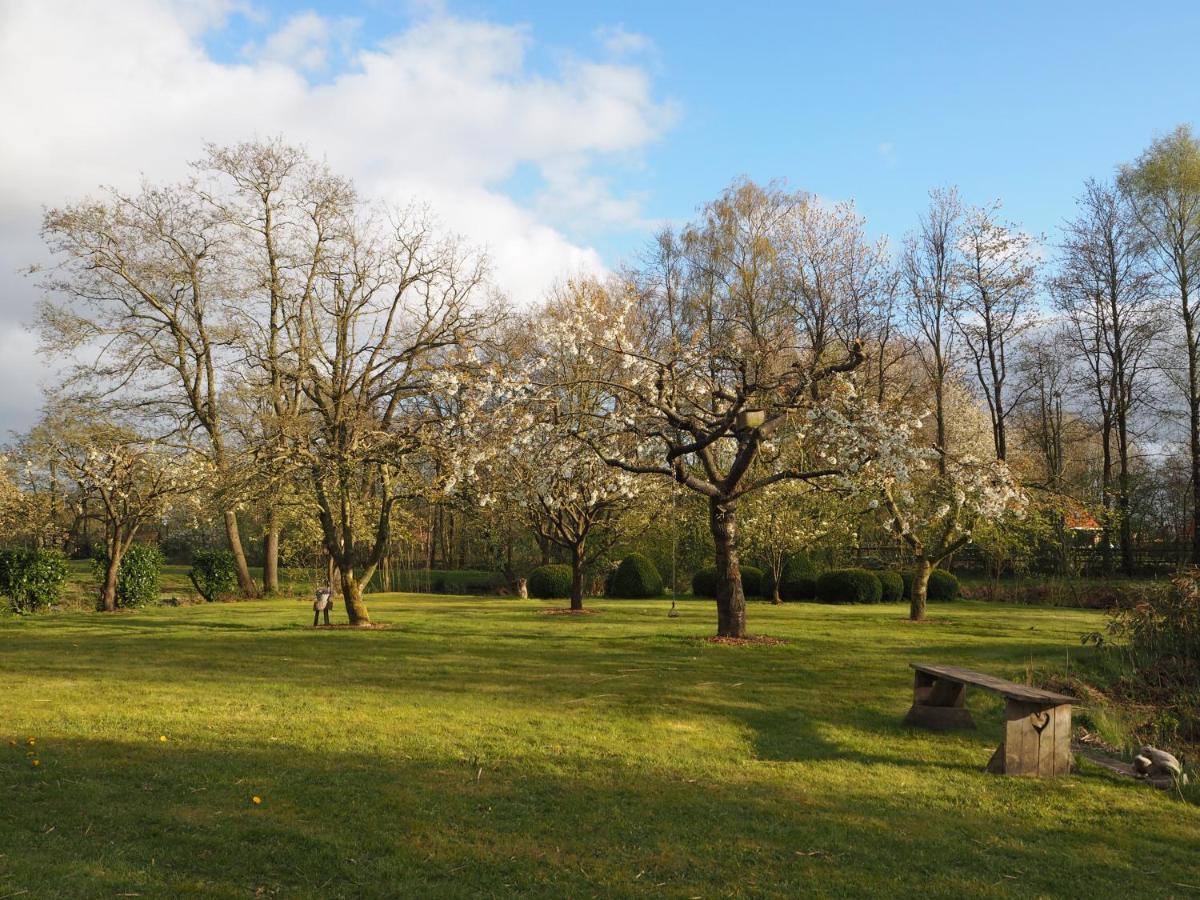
108,592
731,602
234,536
1106,499
271,556
576,579
920,588
352,594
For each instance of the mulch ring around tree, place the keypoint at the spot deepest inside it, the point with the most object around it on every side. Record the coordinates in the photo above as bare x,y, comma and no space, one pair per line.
757,640
566,611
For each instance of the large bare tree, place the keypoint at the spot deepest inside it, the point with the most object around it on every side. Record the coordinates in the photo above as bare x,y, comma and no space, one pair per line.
393,307
997,271
141,297
1163,187
1105,293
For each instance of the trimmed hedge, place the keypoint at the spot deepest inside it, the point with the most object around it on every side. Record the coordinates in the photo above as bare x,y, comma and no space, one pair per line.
636,578
849,586
704,582
32,579
797,581
550,582
943,586
893,586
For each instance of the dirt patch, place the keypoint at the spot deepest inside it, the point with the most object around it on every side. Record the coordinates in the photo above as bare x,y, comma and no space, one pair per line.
758,640
370,626
566,611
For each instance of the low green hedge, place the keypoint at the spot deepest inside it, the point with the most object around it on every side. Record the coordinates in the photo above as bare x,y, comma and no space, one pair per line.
943,586
849,586
893,586
797,581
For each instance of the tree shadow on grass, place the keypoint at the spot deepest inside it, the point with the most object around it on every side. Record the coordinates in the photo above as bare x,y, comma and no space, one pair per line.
106,818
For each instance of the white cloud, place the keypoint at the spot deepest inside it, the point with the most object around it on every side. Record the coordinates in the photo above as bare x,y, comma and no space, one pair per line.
887,153
619,41
445,111
306,42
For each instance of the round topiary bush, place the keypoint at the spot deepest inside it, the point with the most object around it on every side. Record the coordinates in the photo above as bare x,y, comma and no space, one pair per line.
213,573
849,586
550,582
943,586
797,581
636,578
893,586
704,582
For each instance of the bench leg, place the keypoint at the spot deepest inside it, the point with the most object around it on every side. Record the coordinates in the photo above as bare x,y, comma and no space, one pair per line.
1037,741
939,704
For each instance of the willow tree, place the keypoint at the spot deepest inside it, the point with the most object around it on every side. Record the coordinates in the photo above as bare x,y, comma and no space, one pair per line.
393,308
718,384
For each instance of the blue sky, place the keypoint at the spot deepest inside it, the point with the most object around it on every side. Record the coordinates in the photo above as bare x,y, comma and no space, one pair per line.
557,136
873,101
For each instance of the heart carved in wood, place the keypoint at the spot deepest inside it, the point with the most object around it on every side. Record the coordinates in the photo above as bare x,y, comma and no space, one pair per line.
1039,720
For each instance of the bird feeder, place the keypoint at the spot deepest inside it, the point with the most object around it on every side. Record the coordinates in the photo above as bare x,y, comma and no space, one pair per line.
751,418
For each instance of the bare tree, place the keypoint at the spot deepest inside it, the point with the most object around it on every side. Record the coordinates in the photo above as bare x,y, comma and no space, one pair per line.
1104,290
281,210
997,274
391,307
1163,187
142,285
930,263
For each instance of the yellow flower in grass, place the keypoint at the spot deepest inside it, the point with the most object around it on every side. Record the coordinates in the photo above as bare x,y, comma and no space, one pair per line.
31,741
162,738
37,762
256,800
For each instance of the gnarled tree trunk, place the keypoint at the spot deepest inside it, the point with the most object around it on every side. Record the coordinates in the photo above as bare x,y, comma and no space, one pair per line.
577,561
920,588
271,555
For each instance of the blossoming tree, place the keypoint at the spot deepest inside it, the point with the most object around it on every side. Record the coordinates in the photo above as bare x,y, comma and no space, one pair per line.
716,380
932,498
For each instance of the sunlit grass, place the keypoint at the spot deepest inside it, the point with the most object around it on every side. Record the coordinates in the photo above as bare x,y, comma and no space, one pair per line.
477,748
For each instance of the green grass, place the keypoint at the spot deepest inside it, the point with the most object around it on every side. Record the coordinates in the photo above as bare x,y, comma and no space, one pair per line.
478,749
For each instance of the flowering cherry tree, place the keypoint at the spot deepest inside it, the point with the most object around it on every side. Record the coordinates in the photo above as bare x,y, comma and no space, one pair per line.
934,499
132,481
711,376
525,422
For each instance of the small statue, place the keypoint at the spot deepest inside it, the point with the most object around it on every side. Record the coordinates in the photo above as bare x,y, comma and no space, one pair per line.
1154,763
321,605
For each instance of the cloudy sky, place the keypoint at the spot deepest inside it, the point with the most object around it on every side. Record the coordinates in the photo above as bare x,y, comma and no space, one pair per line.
558,135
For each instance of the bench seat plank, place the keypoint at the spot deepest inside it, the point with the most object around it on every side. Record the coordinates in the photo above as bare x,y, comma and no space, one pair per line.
1010,690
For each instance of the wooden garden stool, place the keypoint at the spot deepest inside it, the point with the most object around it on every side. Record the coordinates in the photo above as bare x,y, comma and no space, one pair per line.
1037,730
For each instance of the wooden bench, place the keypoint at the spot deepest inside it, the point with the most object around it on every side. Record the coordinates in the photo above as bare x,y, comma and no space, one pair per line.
1037,732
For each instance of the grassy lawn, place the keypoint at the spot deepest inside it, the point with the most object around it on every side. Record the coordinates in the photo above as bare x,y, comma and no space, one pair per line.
477,749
